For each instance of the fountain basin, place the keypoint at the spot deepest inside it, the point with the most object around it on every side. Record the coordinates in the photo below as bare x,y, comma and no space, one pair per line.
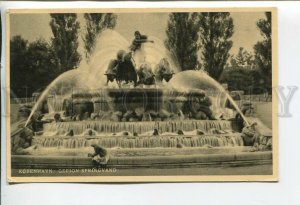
137,164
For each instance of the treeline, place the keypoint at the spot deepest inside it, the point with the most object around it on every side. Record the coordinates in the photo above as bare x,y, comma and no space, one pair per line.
196,40
203,41
242,72
34,65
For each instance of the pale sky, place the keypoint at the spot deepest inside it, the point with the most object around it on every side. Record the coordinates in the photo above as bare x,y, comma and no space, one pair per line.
34,26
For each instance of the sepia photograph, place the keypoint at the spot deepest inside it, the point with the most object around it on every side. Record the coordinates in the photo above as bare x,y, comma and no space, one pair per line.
141,95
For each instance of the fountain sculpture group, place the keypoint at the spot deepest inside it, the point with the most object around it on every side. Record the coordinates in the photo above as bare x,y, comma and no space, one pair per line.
152,108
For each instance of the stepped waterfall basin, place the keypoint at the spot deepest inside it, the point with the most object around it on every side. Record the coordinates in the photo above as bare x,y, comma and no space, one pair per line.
139,127
144,112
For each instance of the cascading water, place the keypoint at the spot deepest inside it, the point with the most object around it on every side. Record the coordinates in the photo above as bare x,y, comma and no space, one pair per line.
230,140
107,127
55,104
111,134
187,81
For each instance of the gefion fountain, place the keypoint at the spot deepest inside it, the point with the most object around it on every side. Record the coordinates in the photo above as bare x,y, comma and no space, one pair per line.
151,115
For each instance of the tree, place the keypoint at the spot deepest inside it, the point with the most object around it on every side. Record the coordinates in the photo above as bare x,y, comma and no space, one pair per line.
19,76
263,49
242,73
31,66
182,39
216,29
241,79
95,24
243,59
41,64
65,41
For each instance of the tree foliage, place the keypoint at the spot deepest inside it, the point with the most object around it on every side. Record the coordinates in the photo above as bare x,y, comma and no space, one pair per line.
19,77
263,49
242,79
31,66
243,59
242,73
182,39
65,29
216,29
95,24
40,59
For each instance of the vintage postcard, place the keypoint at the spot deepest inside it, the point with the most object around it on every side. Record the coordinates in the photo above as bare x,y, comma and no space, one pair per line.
141,95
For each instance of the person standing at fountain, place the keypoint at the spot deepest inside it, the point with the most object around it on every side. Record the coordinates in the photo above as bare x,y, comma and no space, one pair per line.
138,40
100,157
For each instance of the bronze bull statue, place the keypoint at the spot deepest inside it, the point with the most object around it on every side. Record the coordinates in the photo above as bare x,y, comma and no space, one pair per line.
121,69
163,71
146,76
